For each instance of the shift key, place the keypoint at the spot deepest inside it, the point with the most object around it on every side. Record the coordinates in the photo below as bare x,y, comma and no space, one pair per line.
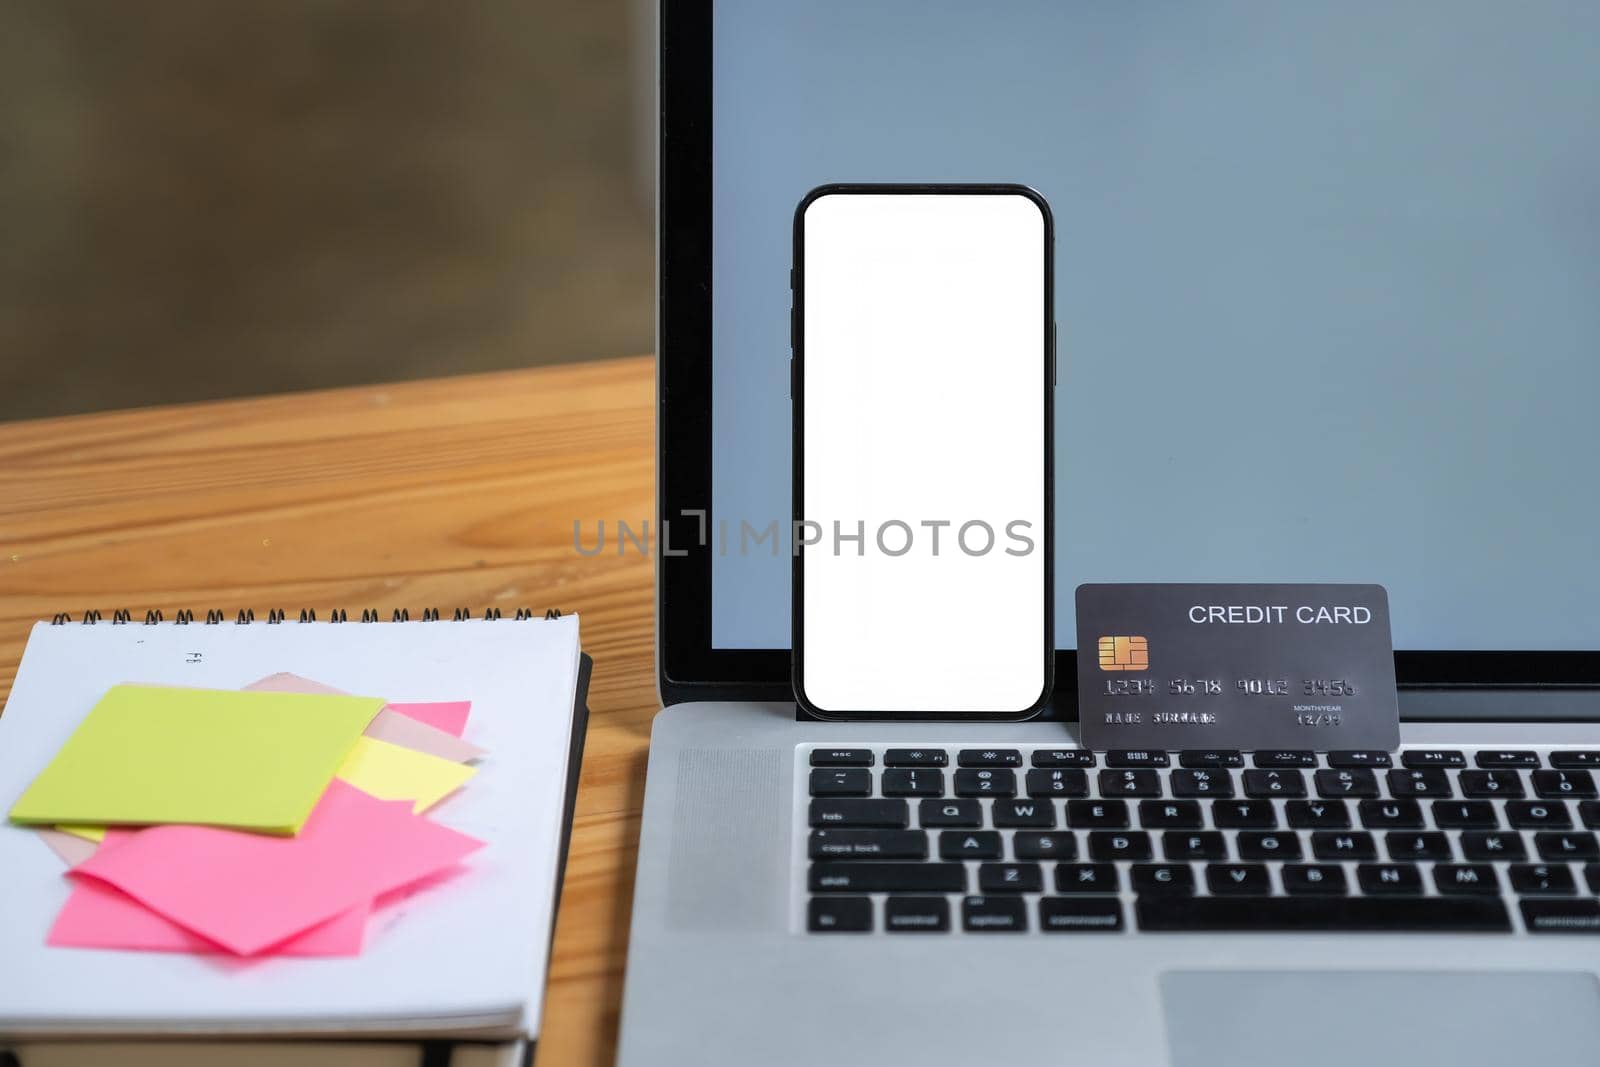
851,877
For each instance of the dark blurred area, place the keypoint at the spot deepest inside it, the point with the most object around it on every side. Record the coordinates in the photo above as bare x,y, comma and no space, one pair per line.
209,198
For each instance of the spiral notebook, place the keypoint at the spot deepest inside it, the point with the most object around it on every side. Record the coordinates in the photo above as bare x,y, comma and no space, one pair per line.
465,965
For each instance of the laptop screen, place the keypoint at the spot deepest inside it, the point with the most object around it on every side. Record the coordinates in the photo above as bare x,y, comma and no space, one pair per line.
1327,283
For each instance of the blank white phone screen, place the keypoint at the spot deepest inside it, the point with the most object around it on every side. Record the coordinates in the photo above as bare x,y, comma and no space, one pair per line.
924,370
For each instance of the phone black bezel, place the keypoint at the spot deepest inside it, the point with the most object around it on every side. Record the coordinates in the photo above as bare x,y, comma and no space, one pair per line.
797,450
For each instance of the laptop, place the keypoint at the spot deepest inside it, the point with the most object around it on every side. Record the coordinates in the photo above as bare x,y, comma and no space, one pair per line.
1325,287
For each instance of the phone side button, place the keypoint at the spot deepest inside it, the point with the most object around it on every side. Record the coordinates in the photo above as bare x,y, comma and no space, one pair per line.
1053,356
791,377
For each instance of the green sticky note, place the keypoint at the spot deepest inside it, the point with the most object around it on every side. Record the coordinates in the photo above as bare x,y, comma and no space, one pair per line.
247,760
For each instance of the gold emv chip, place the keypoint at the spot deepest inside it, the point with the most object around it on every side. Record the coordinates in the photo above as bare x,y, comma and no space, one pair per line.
1124,654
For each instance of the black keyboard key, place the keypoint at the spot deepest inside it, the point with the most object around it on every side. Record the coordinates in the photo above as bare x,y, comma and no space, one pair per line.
1357,782
1115,845
1433,757
916,915
988,757
1564,845
1202,782
1086,878
1350,759
1490,784
1130,784
1563,784
1200,845
1057,782
1010,878
1391,814
1569,758
1466,879
1329,913
1244,814
1163,878
1169,815
1538,815
916,757
1318,814
841,757
877,814
831,877
940,813
1589,812
1507,758
1324,879
994,915
1591,874
986,783
1274,783
1464,815
1063,757
912,782
1058,845
839,915
841,783
1136,758
1286,758
1561,916
868,845
1334,845
1097,814
1419,782
1072,915
1211,757
1024,814
1238,879
969,845
1542,880
1269,845
1479,845
1389,879
1408,845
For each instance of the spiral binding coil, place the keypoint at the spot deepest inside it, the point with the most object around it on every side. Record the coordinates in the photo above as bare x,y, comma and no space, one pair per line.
246,616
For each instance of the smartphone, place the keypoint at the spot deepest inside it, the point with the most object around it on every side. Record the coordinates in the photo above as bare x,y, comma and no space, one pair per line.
922,382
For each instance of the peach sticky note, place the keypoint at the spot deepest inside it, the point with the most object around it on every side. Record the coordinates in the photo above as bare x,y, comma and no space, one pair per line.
247,892
390,772
73,850
447,715
148,754
393,726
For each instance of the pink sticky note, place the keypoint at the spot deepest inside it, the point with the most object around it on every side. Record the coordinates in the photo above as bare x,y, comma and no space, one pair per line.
72,849
448,715
247,892
98,915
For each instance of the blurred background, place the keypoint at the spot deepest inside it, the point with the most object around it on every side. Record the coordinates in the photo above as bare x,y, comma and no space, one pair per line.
214,198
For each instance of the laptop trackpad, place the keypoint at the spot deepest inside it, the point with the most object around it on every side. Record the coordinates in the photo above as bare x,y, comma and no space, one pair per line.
1379,1018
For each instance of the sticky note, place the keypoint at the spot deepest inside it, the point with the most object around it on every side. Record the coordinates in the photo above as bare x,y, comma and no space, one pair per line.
397,729
447,715
390,772
72,850
284,682
98,915
247,892
147,754
96,834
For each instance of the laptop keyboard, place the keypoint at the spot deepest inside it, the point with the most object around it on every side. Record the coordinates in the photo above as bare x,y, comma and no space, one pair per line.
1008,840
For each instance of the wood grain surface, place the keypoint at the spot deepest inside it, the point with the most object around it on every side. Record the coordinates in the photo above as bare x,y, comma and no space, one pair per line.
443,494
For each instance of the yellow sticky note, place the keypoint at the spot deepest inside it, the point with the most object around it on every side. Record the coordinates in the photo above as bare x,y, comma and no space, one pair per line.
147,754
88,833
390,772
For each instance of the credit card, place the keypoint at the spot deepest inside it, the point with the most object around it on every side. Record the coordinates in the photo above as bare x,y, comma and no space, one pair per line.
1251,667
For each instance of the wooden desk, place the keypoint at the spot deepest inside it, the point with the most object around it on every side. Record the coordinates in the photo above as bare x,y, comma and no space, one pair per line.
453,493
